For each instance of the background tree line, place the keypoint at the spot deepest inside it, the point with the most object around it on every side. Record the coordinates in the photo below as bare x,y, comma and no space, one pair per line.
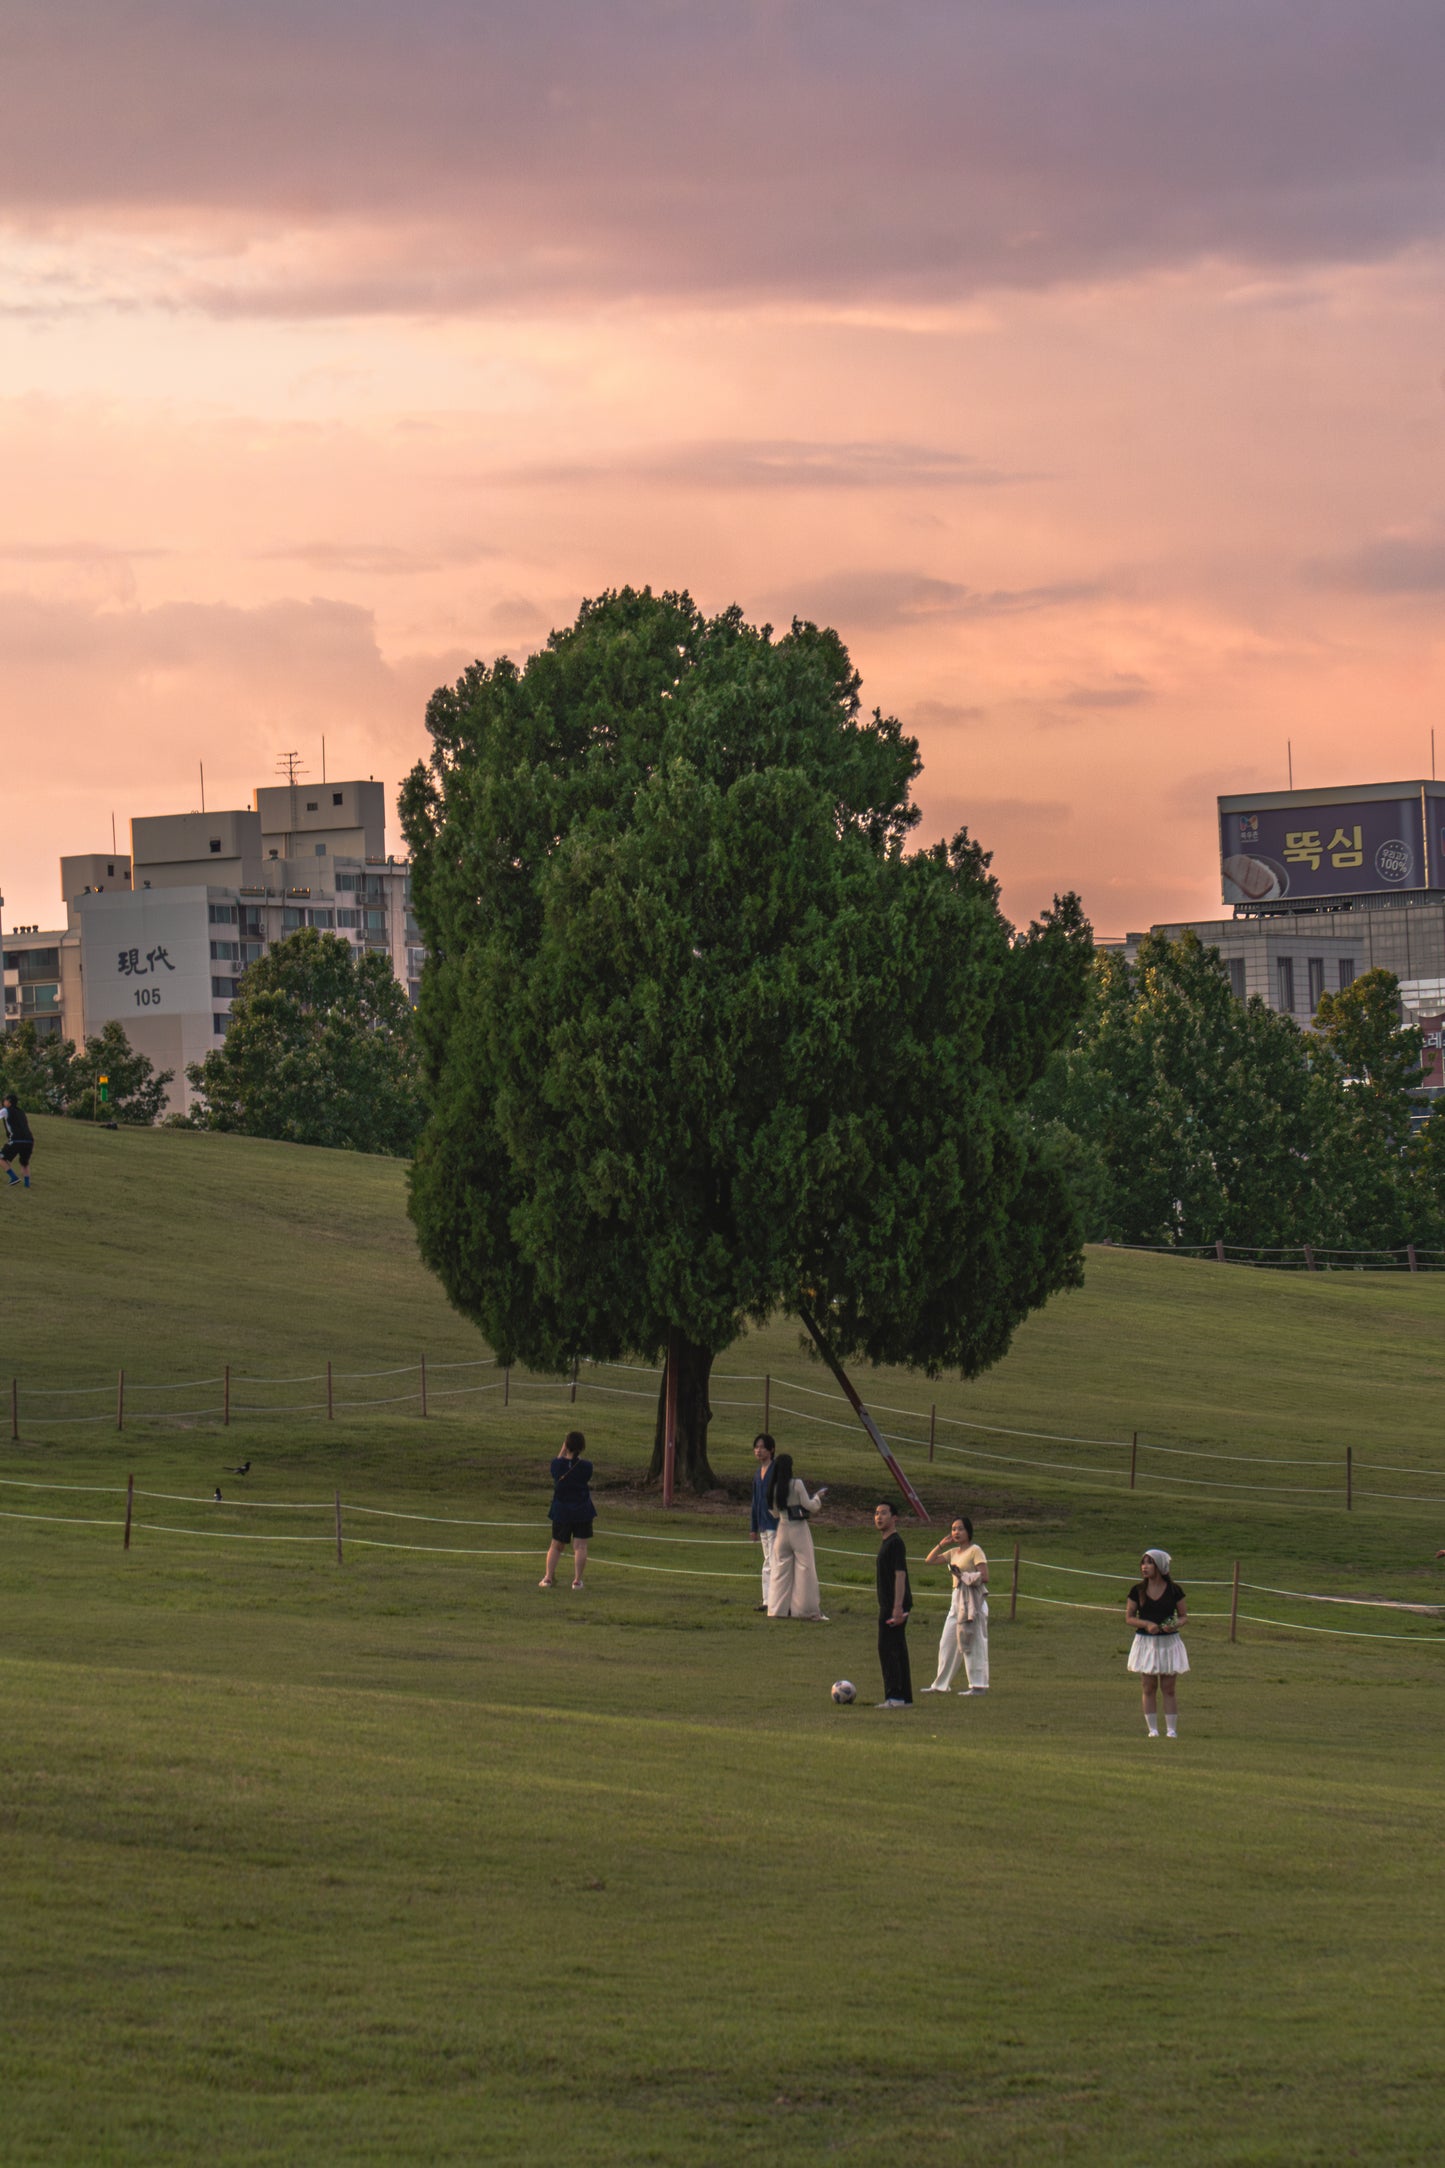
1183,1115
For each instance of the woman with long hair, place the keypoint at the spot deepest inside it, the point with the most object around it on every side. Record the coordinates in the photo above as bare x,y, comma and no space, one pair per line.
965,1630
571,1512
793,1580
1156,1610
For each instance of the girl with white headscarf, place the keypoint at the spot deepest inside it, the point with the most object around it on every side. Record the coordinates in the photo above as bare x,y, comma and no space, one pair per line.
1155,1611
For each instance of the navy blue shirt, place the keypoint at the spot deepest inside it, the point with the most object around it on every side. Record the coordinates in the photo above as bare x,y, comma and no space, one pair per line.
571,1497
763,1520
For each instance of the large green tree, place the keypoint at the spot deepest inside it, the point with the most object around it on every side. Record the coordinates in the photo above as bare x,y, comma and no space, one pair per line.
48,1076
702,1039
320,1050
35,1068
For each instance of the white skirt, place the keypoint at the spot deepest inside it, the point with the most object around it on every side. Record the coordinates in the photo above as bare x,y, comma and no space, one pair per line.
1161,1654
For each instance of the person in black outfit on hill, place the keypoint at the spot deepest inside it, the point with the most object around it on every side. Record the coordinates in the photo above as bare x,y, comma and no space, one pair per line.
19,1140
572,1511
895,1601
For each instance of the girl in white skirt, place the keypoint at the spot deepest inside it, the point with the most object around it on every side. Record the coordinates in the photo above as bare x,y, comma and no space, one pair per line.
1156,1610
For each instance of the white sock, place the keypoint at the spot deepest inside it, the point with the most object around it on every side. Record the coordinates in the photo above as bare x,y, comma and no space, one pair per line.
1153,1723
1171,1726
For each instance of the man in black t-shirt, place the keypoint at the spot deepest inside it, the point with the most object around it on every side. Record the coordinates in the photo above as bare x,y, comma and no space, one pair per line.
895,1601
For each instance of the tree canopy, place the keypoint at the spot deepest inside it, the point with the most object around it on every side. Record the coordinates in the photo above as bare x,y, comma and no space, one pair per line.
702,1039
320,1050
48,1076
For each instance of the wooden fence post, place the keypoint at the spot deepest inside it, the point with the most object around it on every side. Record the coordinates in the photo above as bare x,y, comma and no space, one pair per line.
1133,1460
1410,1253
1013,1599
574,1380
1309,1257
129,1508
226,1415
1219,1248
330,1407
1234,1606
767,1401
1349,1479
120,1401
932,1425
338,1528
506,1385
423,1385
14,1409
669,1419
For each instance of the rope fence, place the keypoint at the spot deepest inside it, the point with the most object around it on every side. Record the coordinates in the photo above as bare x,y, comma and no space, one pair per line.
1295,1257
1093,1462
338,1536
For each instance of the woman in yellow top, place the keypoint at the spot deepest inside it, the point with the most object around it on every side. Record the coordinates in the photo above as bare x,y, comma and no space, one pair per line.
965,1630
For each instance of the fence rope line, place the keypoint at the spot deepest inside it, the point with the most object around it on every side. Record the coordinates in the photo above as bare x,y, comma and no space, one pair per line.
70,1520
218,1535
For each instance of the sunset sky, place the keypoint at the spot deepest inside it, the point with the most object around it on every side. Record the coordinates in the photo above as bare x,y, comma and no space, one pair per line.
1080,360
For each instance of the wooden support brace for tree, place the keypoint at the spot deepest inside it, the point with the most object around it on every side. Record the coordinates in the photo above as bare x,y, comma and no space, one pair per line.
574,1381
120,1401
1234,1605
129,1509
932,1425
506,1385
767,1401
889,1460
423,1385
1133,1460
1013,1594
669,1420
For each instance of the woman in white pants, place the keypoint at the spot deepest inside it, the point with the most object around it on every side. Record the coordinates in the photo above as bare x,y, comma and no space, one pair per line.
793,1580
965,1630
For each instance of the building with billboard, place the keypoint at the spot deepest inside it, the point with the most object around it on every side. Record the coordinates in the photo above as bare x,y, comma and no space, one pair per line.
1321,885
157,939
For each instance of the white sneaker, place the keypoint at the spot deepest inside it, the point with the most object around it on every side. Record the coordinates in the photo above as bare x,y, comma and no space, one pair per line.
890,1705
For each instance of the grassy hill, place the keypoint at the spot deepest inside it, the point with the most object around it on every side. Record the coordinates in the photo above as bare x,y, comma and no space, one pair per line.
401,1858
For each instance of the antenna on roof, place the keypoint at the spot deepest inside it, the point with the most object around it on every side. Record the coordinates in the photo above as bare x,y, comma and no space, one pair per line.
289,766
1289,755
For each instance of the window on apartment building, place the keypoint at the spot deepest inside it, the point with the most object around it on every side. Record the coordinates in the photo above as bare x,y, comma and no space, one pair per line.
33,998
219,1021
376,922
216,845
1317,982
33,963
223,989
312,806
1284,981
321,850
336,797
221,914
348,918
1236,977
347,883
1347,972
274,854
251,951
110,873
251,921
225,952
292,917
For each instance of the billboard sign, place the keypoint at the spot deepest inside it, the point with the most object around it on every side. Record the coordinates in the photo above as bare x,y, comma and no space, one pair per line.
1336,848
1432,1053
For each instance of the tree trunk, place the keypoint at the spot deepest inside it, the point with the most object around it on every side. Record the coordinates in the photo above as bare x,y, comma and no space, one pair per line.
694,1413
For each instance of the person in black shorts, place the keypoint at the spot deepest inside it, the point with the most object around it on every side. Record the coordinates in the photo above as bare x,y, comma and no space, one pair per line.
895,1601
571,1512
19,1143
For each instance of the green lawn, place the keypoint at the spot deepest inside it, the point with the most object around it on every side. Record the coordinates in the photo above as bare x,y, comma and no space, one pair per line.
403,1859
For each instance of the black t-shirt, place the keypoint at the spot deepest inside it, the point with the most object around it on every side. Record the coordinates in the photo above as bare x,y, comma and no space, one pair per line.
892,1560
1158,1610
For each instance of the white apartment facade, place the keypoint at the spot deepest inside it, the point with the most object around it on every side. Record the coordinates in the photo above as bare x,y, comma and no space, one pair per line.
158,939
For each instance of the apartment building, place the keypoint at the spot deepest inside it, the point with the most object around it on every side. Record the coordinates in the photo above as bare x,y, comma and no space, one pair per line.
157,939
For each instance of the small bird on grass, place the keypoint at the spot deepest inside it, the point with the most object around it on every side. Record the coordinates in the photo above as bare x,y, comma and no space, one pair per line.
244,1469
218,1497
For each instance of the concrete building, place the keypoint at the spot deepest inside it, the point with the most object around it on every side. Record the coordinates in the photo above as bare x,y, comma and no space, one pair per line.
157,940
1325,884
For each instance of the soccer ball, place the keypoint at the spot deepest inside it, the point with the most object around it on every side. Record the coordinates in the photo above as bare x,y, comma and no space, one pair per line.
844,1691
